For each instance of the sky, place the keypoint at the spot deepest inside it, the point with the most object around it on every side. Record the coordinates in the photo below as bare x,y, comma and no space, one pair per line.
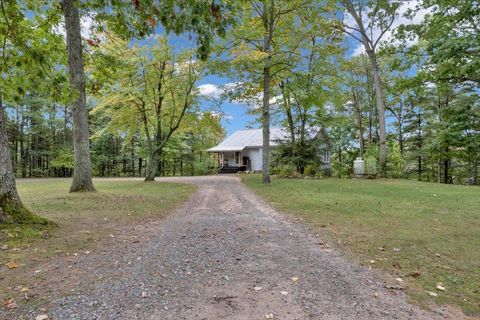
234,114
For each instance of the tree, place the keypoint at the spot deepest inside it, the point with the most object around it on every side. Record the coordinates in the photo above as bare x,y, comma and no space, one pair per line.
311,83
82,173
260,53
12,209
25,67
381,16
449,37
151,91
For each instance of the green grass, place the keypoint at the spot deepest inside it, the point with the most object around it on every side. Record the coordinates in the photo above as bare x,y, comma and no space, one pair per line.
436,227
81,219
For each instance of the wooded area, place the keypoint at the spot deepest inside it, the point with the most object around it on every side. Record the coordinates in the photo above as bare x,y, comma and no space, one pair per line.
96,88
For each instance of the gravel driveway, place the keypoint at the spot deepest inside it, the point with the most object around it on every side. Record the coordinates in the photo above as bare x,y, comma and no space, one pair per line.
224,254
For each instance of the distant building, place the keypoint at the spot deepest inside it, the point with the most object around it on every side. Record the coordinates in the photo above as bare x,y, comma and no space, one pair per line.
242,151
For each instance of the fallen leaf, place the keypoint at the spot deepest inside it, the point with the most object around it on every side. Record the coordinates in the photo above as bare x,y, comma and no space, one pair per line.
12,265
440,287
10,304
24,289
294,279
415,274
433,294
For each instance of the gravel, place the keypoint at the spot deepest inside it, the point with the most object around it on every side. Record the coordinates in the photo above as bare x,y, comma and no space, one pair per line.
224,254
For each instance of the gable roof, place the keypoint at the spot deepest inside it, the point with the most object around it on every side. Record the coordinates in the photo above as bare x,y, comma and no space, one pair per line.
242,139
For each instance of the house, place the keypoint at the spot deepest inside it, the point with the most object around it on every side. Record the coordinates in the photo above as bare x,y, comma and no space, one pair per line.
242,151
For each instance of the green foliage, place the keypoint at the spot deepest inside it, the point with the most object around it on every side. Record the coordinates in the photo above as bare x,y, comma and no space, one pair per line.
395,161
64,159
371,161
341,169
139,19
285,172
298,155
309,170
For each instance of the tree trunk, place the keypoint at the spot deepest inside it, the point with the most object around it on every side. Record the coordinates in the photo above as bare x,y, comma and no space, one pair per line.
358,116
266,125
11,208
152,166
446,176
419,146
82,175
381,115
269,24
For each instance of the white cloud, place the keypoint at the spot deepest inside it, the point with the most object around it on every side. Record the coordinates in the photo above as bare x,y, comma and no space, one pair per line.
86,24
228,91
210,90
400,20
221,115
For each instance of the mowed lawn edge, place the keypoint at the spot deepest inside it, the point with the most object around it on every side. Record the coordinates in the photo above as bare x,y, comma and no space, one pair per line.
82,220
426,234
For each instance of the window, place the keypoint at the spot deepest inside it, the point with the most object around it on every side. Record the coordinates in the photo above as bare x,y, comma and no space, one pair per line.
326,156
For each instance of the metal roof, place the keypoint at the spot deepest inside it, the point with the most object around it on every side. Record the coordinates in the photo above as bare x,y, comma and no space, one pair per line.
249,138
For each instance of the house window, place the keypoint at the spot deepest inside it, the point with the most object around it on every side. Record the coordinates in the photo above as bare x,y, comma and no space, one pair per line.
237,157
326,156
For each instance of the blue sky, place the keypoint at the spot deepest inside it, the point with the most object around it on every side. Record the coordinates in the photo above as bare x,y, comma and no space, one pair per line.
235,115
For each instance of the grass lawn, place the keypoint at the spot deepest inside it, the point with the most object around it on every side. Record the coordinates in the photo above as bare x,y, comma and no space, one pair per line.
424,233
82,219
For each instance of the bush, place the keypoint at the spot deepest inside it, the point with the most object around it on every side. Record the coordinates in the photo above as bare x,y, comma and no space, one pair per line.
309,170
371,160
341,169
285,172
395,162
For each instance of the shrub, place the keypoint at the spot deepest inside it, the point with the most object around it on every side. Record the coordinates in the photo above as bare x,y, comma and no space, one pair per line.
371,160
309,170
285,172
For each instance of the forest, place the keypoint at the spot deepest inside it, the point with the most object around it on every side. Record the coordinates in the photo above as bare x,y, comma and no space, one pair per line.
97,87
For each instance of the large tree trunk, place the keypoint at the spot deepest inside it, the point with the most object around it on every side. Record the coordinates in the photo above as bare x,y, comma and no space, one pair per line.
269,25
11,208
82,175
152,167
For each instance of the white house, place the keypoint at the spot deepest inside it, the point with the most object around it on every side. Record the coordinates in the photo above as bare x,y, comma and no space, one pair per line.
242,151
